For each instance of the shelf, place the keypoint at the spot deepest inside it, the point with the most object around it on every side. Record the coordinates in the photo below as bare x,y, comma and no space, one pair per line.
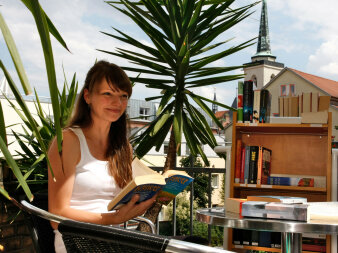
282,128
281,187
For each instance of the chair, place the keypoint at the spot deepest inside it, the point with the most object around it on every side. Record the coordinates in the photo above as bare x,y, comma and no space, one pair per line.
87,237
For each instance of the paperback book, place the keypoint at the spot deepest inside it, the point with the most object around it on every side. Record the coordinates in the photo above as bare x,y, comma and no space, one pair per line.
281,199
147,183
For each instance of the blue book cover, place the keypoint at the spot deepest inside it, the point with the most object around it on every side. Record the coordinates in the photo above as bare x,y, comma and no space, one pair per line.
168,185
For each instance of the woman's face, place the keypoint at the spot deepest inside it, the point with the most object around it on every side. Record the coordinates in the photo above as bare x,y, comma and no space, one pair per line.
106,102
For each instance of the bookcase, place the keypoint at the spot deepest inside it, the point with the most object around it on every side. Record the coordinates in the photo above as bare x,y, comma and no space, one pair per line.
297,150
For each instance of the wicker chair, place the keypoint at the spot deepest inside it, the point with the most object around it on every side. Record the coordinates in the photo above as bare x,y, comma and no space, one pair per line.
87,237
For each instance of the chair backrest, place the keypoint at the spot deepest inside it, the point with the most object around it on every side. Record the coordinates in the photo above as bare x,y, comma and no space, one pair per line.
43,235
87,237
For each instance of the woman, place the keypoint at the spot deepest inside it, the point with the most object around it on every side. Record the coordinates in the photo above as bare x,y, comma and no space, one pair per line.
96,156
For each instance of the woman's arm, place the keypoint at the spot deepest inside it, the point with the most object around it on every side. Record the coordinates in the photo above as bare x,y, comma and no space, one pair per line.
60,190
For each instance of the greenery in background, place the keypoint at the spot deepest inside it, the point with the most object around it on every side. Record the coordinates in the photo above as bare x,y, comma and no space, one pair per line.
200,181
183,222
45,27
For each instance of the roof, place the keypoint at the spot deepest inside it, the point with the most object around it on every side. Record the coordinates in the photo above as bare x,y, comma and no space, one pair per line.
220,114
326,85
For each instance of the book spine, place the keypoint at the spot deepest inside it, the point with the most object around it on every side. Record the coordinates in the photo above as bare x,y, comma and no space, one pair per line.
242,165
256,106
253,164
238,161
265,103
279,181
247,101
266,165
246,164
259,165
240,102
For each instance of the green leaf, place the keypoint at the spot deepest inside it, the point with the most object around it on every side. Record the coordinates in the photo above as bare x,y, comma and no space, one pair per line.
15,56
41,23
12,164
2,125
51,26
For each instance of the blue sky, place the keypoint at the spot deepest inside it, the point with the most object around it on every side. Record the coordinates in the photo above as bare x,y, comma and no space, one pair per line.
303,35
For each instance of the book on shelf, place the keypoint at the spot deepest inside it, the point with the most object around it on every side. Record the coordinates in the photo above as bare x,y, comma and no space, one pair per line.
276,240
253,164
246,164
314,244
234,205
291,181
247,101
256,106
281,199
240,102
242,165
265,106
323,211
147,183
314,102
264,239
264,165
324,103
285,120
238,161
306,101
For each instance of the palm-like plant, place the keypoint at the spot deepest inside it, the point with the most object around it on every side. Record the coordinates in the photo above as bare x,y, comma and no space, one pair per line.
45,28
182,33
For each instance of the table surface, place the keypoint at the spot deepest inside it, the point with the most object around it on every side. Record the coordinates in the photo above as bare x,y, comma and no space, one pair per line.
217,216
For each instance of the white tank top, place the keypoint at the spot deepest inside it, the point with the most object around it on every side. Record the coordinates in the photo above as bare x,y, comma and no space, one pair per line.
93,186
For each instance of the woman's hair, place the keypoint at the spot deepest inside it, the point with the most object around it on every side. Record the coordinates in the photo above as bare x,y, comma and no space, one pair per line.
119,153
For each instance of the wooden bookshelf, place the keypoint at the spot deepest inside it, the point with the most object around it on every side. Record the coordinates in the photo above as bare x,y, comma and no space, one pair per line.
297,150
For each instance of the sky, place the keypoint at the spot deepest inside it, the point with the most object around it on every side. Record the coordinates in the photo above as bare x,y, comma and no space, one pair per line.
303,35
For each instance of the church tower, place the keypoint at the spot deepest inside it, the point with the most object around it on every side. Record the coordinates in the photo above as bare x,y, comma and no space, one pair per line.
263,66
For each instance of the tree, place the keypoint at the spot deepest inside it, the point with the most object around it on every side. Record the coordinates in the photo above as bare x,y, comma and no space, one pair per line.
200,182
182,33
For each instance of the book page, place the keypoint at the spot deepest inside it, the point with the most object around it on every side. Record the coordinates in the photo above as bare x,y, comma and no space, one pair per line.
140,169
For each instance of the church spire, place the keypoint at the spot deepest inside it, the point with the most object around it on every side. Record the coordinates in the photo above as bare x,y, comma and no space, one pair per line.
214,106
263,45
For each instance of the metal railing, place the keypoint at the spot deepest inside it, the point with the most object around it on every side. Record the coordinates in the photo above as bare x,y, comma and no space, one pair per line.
192,171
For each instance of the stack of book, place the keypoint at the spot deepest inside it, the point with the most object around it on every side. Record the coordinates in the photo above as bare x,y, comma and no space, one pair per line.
253,164
253,105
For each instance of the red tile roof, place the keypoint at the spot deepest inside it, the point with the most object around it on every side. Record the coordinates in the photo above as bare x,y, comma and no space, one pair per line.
220,114
327,85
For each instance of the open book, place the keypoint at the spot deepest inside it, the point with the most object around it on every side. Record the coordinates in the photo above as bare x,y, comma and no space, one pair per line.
147,182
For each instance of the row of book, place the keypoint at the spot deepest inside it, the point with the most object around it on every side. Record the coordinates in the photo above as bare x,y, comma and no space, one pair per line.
252,164
253,106
256,238
273,240
294,106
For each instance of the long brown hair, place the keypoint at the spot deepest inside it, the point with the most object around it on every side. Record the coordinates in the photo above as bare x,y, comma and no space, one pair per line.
118,153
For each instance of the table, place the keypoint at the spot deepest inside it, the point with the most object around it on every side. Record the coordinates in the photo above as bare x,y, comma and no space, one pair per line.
291,230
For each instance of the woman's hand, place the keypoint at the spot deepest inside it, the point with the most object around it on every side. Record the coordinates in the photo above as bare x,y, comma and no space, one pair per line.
132,209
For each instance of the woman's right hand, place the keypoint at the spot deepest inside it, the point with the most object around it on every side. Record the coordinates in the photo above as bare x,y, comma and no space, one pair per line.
132,209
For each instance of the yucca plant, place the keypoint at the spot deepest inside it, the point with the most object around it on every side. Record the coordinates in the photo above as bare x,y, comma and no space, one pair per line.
45,27
182,33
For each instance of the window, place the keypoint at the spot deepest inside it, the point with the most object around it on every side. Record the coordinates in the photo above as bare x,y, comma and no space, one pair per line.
165,148
287,89
214,181
283,90
254,80
187,149
292,89
272,76
144,113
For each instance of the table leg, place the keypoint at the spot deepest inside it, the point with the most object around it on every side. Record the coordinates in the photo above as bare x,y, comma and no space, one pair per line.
291,242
